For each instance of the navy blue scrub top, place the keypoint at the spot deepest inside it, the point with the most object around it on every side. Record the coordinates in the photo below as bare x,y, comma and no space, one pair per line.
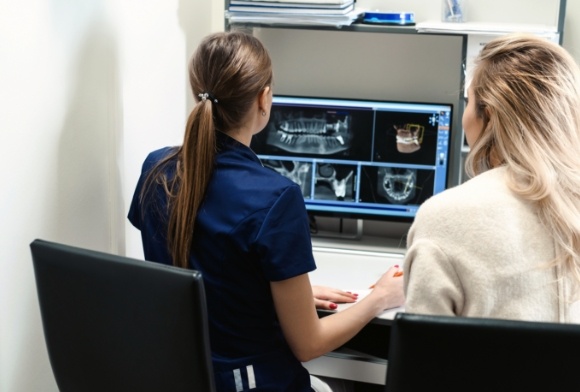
251,229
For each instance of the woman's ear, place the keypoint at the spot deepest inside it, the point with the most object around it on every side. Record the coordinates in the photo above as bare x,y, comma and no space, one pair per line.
487,113
264,100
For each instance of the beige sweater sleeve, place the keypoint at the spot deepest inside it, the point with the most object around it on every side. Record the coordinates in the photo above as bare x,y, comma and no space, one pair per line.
435,287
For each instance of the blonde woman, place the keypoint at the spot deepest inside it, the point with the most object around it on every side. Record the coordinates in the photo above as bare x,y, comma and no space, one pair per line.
506,243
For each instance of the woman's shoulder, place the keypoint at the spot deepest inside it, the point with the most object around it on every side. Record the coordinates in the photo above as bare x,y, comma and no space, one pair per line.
480,195
159,154
484,188
156,156
466,211
274,183
244,175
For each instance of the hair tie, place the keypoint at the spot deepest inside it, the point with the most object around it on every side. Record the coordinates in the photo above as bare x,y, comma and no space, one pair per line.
205,96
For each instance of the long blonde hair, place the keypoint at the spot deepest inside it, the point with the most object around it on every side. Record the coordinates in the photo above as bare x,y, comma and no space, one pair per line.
227,72
527,91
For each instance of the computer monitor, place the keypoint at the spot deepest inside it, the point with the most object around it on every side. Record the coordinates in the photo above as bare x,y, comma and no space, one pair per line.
360,159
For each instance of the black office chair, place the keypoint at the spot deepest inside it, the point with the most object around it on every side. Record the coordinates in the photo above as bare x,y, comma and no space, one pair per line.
436,353
117,324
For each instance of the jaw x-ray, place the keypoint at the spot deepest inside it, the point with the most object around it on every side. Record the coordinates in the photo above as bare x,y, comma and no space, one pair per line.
309,131
397,185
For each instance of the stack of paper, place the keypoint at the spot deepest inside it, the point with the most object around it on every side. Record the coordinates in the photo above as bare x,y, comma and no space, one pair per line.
309,12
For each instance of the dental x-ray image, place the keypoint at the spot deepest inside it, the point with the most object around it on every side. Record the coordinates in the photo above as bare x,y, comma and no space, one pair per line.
312,131
342,133
395,185
335,182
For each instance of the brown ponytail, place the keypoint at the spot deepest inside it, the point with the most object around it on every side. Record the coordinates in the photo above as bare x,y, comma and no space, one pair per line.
194,167
227,73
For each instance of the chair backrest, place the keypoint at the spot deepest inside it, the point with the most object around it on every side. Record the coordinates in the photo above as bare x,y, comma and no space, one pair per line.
476,354
113,323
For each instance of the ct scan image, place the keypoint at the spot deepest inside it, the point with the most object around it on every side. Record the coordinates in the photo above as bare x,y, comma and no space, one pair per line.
335,182
395,185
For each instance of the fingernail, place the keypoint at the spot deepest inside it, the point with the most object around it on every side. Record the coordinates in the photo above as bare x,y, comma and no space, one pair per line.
355,294
332,306
396,265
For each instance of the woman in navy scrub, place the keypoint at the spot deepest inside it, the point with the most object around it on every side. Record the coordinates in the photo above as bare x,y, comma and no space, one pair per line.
210,205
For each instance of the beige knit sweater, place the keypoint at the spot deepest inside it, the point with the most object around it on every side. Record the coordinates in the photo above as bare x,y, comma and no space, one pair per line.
479,250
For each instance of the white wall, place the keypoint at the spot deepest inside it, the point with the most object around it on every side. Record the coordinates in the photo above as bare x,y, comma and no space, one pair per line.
86,88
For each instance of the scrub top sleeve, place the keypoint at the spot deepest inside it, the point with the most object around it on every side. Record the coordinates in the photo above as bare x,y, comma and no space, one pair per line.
134,214
135,210
283,243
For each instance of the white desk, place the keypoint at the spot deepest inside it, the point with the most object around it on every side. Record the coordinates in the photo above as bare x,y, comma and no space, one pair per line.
354,270
350,268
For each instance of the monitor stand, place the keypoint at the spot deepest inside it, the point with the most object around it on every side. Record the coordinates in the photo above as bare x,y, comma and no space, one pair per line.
341,233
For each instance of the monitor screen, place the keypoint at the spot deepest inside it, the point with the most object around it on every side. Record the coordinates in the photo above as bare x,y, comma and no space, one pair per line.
358,158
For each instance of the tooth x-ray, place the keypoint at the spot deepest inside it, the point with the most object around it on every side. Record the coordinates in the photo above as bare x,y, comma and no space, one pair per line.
335,182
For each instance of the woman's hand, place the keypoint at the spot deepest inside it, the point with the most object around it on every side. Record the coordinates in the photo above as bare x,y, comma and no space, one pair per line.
390,288
310,336
327,297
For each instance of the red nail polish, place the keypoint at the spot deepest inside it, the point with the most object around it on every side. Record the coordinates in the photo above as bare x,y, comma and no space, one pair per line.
397,266
332,306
